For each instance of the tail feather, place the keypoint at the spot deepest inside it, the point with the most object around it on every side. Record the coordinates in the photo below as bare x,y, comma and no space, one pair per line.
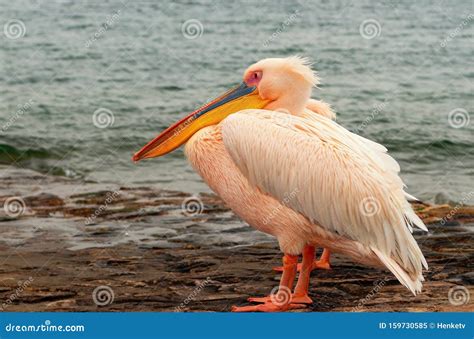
410,281
411,198
411,215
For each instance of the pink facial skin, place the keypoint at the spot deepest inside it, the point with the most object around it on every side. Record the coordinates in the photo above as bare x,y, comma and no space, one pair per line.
253,78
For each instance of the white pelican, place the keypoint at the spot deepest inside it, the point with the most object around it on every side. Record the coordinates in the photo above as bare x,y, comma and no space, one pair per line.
300,177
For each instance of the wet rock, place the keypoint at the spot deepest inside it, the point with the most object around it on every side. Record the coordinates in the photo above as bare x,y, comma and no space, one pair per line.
150,256
43,200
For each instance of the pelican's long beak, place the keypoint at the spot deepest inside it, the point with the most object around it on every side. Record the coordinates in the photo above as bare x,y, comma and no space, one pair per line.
236,99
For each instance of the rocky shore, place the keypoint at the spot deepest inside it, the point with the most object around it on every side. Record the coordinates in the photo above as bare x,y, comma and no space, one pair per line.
82,246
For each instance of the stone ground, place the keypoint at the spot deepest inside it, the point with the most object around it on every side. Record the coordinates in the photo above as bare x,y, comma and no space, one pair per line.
41,271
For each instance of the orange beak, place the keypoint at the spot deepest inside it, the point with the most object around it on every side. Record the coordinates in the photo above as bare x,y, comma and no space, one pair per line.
234,100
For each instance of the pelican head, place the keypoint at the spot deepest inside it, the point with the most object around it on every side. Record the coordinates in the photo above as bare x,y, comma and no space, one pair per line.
282,84
286,83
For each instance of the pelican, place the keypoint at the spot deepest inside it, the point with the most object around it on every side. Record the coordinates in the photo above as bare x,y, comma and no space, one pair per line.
281,163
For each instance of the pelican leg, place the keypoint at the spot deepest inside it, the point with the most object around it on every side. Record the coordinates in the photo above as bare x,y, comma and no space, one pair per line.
300,295
322,263
281,301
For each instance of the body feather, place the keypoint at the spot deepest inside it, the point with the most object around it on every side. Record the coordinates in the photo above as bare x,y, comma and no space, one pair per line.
347,184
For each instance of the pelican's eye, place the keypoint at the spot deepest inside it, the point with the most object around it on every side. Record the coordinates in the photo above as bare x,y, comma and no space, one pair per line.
254,78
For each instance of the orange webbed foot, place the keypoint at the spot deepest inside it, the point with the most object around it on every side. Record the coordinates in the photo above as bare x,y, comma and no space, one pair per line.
295,299
283,300
268,307
267,299
321,264
301,299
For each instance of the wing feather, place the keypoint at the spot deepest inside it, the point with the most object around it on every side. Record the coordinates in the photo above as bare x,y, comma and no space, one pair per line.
346,183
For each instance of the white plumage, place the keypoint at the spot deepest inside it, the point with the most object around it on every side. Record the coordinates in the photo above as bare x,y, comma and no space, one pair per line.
290,171
347,184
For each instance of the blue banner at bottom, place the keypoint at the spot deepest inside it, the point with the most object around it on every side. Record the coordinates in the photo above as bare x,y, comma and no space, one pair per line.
243,325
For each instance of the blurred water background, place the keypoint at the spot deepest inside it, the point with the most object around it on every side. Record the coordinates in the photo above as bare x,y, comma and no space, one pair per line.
398,72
